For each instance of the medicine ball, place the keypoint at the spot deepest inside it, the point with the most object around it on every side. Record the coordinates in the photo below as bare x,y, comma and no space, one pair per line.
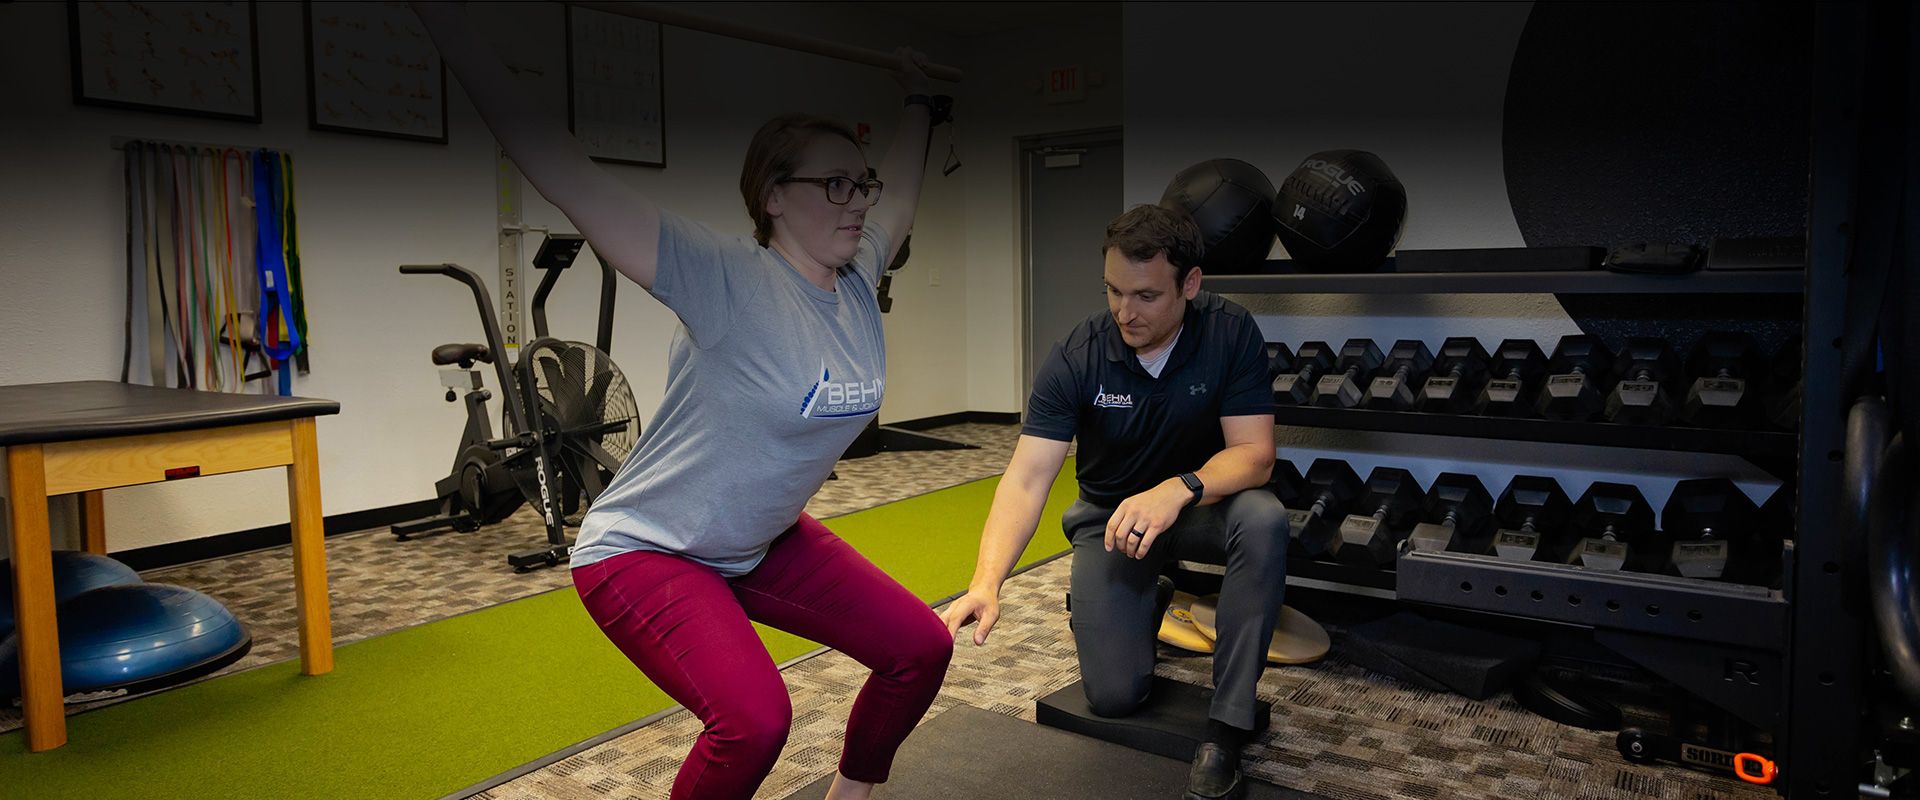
1232,203
1340,211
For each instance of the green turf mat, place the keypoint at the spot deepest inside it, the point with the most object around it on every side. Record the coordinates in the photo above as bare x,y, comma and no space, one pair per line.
427,710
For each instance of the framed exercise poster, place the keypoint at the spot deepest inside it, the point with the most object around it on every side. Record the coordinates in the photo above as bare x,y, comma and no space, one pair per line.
615,89
371,69
193,58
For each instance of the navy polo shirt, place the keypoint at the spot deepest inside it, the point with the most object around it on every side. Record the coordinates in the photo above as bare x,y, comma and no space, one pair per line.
1136,430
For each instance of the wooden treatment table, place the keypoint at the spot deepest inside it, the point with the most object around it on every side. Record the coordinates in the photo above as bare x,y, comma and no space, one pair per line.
89,436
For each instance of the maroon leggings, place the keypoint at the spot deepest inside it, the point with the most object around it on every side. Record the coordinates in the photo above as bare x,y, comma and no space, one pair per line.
687,628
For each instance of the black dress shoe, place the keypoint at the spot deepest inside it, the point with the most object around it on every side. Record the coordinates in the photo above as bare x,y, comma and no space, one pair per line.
1215,774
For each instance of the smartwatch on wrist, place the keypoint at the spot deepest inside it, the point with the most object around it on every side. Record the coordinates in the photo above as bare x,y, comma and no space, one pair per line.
1193,482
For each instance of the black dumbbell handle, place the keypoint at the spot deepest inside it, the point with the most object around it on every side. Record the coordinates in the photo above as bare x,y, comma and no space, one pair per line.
1514,374
1643,374
1458,369
1355,370
1610,533
1309,372
1400,374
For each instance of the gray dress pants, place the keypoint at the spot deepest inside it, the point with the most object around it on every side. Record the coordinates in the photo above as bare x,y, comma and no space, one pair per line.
1113,623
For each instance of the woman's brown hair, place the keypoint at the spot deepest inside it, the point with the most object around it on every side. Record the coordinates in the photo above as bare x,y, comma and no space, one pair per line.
774,155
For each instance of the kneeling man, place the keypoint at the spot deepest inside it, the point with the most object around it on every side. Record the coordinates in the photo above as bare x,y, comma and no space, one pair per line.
1167,393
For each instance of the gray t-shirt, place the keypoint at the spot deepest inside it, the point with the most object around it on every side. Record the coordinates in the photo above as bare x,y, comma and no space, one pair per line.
769,379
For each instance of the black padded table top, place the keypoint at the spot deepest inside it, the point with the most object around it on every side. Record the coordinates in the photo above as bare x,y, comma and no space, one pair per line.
39,413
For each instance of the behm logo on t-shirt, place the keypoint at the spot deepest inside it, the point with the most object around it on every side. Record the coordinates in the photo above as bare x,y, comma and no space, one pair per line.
1103,400
830,398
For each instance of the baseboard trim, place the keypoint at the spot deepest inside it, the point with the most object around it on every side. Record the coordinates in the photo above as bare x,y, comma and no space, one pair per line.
957,418
228,544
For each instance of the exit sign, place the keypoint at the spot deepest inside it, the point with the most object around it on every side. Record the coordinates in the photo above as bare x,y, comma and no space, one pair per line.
1066,85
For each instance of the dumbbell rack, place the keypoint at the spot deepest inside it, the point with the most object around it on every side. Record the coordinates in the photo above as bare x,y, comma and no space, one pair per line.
1282,277
1725,642
1786,660
1774,451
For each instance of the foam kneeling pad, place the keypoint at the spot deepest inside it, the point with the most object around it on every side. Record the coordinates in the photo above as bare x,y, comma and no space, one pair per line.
1297,639
1467,661
1367,654
1177,629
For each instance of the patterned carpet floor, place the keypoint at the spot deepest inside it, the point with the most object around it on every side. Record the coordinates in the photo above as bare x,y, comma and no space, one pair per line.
378,584
1338,730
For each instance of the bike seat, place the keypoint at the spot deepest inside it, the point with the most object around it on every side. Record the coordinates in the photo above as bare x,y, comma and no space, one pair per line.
463,354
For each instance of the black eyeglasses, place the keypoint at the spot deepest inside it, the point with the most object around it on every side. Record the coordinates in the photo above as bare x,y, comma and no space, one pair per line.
840,190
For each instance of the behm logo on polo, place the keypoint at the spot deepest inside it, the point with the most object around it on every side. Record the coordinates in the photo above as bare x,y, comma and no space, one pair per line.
1103,400
830,398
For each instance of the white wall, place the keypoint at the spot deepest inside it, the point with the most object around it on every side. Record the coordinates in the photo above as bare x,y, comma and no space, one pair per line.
1002,102
1429,104
369,204
1422,85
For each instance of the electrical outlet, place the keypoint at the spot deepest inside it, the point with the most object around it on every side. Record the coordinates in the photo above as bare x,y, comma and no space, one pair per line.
933,276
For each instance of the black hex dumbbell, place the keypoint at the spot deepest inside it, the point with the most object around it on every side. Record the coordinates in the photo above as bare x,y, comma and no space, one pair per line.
1575,388
1359,359
1279,359
1310,362
1513,381
1331,485
1713,526
1783,406
1532,513
1458,372
1370,535
1407,365
1614,523
1645,369
1725,366
1455,515
1286,483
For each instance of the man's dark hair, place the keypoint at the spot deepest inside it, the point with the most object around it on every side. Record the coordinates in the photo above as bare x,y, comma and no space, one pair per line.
1145,231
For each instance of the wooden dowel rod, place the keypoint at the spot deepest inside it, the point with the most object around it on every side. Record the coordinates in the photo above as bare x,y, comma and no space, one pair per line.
790,41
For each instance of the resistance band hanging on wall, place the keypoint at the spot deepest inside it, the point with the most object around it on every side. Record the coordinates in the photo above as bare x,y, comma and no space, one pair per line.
279,338
213,281
290,244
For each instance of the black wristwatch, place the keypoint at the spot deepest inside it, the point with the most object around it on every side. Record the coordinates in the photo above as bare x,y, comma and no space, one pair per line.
1193,482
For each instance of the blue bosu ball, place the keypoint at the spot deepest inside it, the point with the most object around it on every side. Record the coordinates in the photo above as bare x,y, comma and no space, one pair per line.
136,637
74,571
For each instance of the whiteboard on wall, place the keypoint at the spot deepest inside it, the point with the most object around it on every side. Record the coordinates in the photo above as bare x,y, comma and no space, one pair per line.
615,88
185,58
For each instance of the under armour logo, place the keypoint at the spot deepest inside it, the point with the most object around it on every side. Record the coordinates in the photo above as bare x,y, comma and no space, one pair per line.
1197,389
